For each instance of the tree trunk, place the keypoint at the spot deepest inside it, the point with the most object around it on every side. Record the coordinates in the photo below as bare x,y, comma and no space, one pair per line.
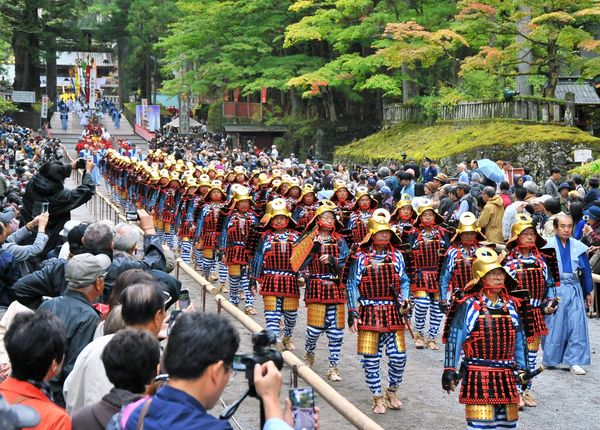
25,49
553,70
329,102
50,46
410,90
524,54
296,101
121,55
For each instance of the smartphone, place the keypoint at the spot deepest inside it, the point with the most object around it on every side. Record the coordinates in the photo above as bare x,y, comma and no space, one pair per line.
303,408
184,299
45,206
131,216
174,314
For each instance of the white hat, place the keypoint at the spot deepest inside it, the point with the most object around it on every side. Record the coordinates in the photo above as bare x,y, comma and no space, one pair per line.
68,227
541,200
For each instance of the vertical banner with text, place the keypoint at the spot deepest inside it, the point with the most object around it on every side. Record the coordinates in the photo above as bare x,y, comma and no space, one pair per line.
263,95
184,114
44,110
93,76
87,83
145,113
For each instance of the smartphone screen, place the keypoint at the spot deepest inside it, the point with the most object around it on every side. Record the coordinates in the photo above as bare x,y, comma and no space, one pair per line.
131,216
45,206
184,299
303,408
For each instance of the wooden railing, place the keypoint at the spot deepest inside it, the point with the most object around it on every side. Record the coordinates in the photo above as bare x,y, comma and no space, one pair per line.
540,111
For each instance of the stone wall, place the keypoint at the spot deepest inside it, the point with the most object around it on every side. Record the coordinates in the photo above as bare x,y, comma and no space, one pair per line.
539,157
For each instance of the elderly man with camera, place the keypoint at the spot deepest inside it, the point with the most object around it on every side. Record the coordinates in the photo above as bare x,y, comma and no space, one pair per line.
199,360
125,245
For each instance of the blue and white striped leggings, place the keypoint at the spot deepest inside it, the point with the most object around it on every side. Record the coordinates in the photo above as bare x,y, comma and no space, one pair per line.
234,285
334,335
273,318
422,305
396,364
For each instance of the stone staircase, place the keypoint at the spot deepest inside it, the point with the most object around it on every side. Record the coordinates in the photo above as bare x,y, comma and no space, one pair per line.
71,136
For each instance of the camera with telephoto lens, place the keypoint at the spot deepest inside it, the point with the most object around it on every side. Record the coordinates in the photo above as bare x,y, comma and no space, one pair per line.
262,353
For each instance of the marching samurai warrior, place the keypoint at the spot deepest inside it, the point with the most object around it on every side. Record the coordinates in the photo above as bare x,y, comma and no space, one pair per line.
457,266
325,294
207,234
529,267
485,326
428,240
234,240
273,271
378,291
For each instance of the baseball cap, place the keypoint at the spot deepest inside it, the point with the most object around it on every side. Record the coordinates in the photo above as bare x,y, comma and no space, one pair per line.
68,227
83,269
17,416
564,185
593,212
7,216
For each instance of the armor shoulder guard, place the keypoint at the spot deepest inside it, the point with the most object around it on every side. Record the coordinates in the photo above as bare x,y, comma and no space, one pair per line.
455,315
551,259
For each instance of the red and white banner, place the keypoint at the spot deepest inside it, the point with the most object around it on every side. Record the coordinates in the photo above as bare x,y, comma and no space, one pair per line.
87,83
263,95
93,78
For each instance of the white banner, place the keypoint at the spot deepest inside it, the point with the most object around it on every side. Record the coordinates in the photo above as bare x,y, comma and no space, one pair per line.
45,100
93,76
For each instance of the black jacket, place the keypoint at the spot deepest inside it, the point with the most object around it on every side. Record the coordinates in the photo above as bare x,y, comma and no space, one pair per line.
48,281
61,202
154,258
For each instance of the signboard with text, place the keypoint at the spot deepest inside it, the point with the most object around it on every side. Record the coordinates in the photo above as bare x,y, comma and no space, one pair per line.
44,111
23,96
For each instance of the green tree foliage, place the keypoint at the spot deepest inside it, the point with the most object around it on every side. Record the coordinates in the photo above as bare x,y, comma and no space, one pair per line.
558,31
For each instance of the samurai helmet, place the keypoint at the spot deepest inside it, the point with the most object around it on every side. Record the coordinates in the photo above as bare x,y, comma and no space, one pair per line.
522,222
325,206
405,200
263,179
363,191
427,205
240,170
240,193
467,223
204,180
485,261
380,221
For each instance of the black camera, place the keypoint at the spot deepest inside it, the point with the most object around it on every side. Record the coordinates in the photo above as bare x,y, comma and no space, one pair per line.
80,163
262,352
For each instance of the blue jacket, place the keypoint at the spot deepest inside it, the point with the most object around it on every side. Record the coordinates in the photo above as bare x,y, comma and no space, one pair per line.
174,409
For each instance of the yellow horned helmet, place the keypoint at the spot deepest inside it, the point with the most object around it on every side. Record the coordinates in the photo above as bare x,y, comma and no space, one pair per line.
485,261
380,221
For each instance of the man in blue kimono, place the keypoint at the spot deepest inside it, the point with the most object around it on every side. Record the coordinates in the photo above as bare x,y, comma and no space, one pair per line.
568,340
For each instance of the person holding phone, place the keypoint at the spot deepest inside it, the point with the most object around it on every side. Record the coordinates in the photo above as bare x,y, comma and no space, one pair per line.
48,186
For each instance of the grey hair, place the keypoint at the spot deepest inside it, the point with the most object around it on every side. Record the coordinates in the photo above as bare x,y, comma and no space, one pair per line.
98,236
126,237
489,191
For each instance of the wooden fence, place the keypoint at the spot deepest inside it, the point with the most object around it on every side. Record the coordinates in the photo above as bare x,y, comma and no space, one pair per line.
525,110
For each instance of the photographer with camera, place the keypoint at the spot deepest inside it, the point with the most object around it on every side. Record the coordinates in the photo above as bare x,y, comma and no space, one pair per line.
199,358
47,186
